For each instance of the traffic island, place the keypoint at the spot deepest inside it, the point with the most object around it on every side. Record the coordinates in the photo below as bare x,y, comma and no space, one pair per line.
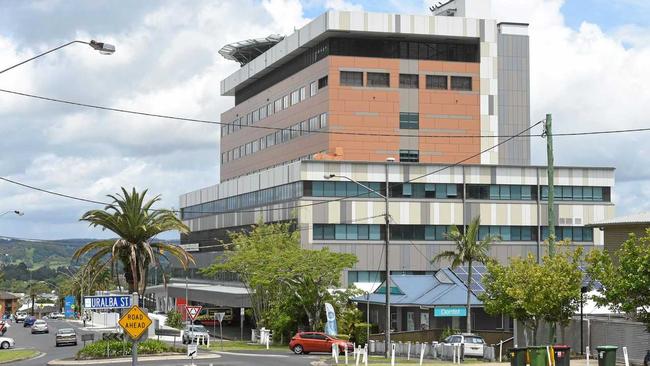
13,355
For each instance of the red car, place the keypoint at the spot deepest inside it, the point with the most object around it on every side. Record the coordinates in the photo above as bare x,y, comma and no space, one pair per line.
306,342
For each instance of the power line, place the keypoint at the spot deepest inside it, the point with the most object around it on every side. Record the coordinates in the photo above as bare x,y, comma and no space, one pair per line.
211,122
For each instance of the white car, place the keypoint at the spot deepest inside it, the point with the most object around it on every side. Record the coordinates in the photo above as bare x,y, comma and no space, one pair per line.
40,326
6,342
57,316
472,344
20,317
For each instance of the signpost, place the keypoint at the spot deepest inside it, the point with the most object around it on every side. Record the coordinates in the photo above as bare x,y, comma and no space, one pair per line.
450,311
219,317
135,323
192,350
193,312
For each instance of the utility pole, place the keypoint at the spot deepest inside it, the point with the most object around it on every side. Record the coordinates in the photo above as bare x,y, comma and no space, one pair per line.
548,132
387,241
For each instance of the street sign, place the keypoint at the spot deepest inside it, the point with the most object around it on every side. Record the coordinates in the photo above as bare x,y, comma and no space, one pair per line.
108,302
167,332
219,316
193,311
192,350
191,247
135,322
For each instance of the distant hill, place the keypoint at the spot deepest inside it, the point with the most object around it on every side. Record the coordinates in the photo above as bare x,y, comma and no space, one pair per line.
38,253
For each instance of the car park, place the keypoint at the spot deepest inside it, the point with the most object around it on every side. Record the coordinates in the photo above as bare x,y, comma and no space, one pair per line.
40,326
195,333
66,336
29,321
20,317
6,342
306,342
472,344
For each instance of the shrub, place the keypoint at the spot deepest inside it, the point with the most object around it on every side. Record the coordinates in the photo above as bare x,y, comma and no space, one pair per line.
174,319
343,337
117,348
447,332
360,333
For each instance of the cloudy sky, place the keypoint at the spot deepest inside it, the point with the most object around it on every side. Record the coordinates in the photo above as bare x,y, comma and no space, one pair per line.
589,61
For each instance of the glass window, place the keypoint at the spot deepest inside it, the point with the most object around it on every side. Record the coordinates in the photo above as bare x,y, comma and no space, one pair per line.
494,192
598,193
256,115
429,232
408,120
313,88
362,232
577,193
295,97
269,109
322,82
515,192
505,233
461,83
341,189
263,112
587,193
527,234
317,189
409,156
323,120
505,193
437,82
351,188
341,232
285,102
328,232
249,119
567,193
314,124
318,232
303,93
375,233
409,81
526,192
352,277
588,234
407,189
441,190
329,189
278,105
351,78
352,232
577,234
452,190
378,79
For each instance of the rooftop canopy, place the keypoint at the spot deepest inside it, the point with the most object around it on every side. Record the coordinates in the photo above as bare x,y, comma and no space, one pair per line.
245,51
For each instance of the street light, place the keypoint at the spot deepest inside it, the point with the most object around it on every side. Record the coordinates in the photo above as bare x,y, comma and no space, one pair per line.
386,243
15,212
103,48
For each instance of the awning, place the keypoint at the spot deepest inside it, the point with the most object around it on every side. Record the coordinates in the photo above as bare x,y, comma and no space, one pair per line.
218,295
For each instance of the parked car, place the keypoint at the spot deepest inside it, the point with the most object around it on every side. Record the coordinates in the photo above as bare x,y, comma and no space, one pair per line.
57,315
20,317
195,333
40,326
306,342
6,342
66,336
4,326
29,321
472,344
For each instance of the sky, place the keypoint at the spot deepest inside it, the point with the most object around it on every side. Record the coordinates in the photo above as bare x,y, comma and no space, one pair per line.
589,68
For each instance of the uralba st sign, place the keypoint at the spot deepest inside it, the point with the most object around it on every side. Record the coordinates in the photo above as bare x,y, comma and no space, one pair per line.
107,302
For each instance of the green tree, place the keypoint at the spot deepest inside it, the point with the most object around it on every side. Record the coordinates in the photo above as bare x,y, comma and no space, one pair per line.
174,319
532,292
275,269
469,250
136,224
85,281
626,284
36,288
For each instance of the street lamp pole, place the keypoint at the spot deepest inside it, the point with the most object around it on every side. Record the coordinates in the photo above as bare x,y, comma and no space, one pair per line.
103,48
386,245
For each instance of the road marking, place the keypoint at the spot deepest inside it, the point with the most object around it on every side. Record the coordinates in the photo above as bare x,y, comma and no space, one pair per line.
250,354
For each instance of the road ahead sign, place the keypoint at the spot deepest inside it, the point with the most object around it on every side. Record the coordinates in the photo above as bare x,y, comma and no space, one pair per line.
107,302
135,322
193,311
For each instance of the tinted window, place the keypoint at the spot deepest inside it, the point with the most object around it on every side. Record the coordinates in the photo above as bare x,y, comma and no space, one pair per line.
461,83
319,336
409,81
351,78
437,82
474,340
377,79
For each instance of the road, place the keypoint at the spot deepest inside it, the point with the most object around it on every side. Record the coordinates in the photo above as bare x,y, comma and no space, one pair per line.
45,344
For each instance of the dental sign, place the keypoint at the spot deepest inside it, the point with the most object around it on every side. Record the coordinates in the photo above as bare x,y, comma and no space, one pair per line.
107,302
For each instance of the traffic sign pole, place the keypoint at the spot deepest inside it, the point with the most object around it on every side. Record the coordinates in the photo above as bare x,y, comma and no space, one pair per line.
134,346
220,316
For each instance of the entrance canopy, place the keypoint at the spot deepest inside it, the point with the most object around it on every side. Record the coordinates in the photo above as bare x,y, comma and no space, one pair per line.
219,295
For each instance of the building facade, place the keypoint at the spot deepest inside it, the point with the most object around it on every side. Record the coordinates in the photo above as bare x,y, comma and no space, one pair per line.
440,94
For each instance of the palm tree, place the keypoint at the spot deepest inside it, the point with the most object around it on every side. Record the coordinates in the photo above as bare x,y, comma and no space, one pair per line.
468,251
136,224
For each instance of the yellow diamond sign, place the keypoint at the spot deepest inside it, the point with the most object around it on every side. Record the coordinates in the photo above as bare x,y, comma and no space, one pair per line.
135,322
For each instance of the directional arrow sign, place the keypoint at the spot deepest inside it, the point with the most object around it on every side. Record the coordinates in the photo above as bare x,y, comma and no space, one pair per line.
135,322
192,350
193,311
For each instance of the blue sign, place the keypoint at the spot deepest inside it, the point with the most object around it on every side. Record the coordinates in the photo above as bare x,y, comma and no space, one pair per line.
68,306
107,302
450,311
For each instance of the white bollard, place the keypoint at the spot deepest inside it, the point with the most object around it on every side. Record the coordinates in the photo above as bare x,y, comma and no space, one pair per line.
422,349
346,355
587,352
267,341
335,353
500,349
392,354
365,355
408,352
627,360
357,356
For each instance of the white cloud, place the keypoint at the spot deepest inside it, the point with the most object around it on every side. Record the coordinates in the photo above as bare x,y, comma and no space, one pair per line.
343,5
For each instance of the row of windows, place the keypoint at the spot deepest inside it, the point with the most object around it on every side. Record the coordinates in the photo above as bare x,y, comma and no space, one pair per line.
253,199
409,190
501,192
280,104
406,81
278,137
570,193
440,232
379,276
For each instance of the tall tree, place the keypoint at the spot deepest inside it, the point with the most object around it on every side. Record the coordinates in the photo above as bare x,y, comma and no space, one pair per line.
470,249
136,224
626,284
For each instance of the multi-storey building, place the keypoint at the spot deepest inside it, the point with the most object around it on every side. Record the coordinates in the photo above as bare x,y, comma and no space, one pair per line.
345,92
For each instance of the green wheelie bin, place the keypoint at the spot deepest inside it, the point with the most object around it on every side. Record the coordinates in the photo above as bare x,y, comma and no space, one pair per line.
538,356
517,356
562,354
606,355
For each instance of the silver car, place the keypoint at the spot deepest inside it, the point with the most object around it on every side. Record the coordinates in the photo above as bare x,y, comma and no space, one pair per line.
6,342
472,344
195,333
40,326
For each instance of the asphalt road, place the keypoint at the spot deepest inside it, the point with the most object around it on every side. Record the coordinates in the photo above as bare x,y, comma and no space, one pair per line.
43,342
46,345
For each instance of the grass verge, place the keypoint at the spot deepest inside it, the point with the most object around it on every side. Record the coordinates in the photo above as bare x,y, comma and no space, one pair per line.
11,355
244,346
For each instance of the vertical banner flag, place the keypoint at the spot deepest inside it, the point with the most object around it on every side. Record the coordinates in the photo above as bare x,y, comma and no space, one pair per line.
330,326
68,306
